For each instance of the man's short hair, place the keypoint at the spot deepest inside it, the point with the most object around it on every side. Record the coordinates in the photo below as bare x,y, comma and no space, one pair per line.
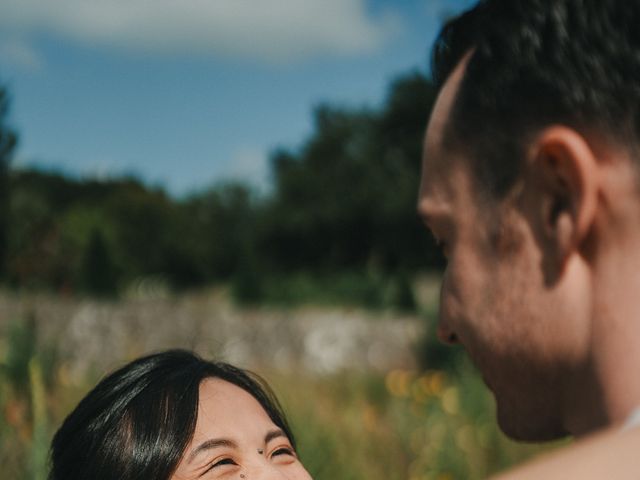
534,63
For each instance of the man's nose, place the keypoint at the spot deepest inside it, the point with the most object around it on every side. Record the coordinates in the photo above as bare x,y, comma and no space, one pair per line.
446,335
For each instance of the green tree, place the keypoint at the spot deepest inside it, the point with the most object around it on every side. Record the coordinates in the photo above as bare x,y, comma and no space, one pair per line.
342,203
346,198
401,241
223,221
8,141
98,271
141,220
320,215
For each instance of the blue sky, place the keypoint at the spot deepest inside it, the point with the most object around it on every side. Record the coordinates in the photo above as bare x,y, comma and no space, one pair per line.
188,93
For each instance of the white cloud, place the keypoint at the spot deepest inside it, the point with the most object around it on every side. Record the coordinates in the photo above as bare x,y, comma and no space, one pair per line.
20,54
269,30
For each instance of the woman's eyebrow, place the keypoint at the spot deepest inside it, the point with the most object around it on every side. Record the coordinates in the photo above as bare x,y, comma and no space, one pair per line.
211,444
273,434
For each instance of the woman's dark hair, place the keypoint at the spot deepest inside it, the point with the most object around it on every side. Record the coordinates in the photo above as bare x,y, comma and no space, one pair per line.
534,63
138,421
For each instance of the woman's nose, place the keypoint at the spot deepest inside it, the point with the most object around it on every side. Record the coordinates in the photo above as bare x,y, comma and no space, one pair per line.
265,471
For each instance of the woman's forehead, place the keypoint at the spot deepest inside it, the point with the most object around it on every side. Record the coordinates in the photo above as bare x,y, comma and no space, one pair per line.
228,408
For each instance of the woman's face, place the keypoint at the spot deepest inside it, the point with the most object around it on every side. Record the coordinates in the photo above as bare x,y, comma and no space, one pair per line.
235,438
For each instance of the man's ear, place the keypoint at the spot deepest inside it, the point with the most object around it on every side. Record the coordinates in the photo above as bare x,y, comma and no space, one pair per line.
565,167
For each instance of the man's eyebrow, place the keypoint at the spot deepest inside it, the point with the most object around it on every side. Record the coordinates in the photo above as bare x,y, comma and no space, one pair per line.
273,434
211,444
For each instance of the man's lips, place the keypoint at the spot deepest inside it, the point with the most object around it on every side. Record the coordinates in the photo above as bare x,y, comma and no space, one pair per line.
480,366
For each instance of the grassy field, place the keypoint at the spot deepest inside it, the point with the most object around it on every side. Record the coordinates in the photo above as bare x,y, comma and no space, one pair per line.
402,425
351,424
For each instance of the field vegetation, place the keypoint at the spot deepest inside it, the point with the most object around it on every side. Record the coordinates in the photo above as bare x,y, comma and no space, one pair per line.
428,418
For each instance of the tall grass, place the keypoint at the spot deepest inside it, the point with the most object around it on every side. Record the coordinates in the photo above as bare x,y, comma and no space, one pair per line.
24,424
411,425
404,425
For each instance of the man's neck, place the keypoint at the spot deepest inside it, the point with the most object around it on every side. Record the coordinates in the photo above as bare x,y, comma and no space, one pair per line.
616,334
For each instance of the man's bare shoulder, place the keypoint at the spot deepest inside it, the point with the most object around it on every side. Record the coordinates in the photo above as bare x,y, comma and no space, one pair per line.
611,454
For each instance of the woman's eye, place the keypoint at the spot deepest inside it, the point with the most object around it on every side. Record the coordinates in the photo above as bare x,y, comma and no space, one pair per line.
283,451
220,463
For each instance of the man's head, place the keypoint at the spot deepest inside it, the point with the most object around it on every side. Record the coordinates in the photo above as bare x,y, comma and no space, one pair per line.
536,122
535,63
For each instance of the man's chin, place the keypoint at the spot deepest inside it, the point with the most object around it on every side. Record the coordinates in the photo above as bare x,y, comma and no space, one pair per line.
487,382
524,427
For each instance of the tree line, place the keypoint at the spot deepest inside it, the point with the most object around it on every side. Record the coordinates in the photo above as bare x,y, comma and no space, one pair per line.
342,201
